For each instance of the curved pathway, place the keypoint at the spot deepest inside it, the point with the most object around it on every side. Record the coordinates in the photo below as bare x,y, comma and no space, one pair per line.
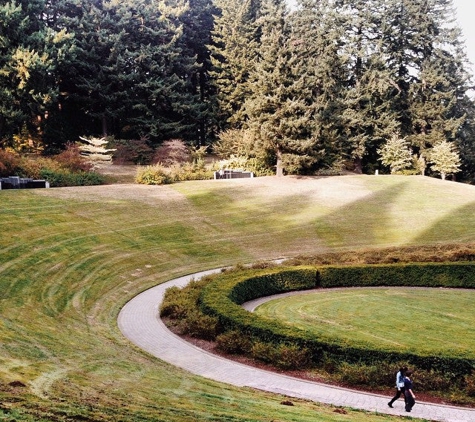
139,322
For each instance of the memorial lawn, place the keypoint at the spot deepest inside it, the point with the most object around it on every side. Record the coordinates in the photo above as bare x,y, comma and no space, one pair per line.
423,321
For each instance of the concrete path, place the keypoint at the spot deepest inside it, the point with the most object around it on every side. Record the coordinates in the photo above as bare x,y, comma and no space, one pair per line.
139,322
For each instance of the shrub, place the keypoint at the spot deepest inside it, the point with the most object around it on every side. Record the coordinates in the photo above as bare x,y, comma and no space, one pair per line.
222,297
252,164
153,175
432,380
233,342
180,305
9,163
175,304
61,178
265,352
375,375
72,160
469,386
291,356
67,170
131,151
160,175
199,325
190,171
34,166
171,152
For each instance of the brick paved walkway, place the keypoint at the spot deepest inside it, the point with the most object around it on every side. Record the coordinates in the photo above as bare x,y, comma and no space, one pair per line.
139,322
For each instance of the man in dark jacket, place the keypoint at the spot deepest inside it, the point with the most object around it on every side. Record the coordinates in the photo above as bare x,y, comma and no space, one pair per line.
408,391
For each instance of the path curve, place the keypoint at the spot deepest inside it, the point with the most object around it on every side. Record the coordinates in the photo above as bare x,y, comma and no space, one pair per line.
140,323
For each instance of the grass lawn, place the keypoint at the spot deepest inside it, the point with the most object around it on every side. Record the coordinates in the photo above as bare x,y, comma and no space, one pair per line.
438,322
71,257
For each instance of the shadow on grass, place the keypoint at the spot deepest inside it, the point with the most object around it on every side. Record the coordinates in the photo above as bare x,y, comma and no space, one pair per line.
299,217
459,226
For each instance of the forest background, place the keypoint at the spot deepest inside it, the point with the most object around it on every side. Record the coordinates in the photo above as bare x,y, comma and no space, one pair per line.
322,87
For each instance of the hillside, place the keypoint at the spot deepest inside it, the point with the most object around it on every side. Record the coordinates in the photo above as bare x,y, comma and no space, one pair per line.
71,257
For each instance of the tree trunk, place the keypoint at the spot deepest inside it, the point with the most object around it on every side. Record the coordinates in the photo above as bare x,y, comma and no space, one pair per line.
279,171
104,125
2,126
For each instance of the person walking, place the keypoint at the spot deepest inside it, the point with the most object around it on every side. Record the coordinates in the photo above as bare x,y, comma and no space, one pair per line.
408,392
399,386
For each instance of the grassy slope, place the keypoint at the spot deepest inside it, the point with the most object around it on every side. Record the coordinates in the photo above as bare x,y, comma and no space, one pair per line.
70,258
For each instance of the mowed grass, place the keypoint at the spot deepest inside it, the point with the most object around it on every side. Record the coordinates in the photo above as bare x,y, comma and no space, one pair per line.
71,257
437,322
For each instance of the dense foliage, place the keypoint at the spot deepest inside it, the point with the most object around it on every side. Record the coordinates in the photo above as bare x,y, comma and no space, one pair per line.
68,168
313,89
222,297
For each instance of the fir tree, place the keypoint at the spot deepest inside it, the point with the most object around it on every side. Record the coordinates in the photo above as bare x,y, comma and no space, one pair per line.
30,54
424,44
233,51
198,23
269,106
370,117
130,74
315,84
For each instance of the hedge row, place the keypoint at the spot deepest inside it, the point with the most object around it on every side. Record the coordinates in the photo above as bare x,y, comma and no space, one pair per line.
222,298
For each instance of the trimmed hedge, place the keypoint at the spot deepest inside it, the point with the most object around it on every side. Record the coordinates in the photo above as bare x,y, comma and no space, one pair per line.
63,178
222,298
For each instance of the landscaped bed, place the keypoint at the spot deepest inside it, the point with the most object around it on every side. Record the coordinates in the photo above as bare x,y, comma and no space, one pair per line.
357,361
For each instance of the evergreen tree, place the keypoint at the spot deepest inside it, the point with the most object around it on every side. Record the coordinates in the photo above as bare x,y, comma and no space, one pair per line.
464,140
269,106
92,101
30,54
159,99
198,23
370,117
424,44
233,52
315,86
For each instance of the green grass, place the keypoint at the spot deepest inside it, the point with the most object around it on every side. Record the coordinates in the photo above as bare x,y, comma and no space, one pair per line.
70,258
423,321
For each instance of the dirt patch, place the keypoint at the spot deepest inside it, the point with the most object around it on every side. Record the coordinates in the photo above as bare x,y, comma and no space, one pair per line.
116,173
